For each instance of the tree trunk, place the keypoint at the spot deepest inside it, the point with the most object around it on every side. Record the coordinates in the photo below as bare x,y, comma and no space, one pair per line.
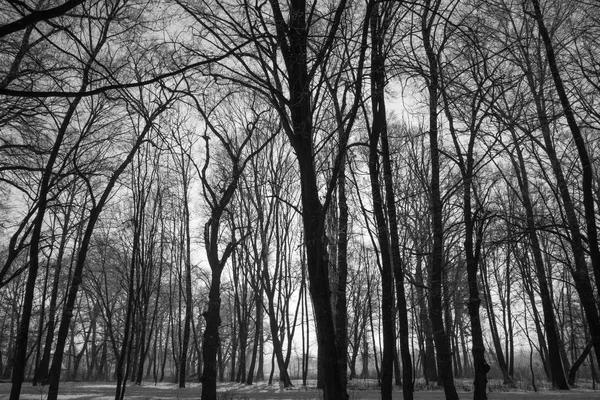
494,328
578,362
189,304
428,356
257,333
341,312
379,111
44,365
211,340
67,314
284,377
472,246
129,313
580,276
41,324
557,372
18,373
444,356
293,33
378,129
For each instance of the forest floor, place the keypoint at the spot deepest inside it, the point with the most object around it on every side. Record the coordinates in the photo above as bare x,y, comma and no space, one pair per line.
263,391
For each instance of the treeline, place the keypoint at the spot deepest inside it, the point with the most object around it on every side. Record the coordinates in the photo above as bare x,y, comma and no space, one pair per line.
210,190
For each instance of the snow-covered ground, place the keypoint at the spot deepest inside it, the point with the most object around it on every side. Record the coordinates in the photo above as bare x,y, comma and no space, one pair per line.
262,391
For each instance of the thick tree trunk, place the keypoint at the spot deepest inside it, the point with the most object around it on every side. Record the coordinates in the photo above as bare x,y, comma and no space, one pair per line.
444,356
378,129
395,259
293,34
211,340
313,216
398,269
479,363
580,276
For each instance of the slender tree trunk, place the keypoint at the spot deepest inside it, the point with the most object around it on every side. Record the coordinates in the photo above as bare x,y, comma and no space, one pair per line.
575,367
493,327
129,313
235,320
341,313
55,369
364,373
428,356
44,365
306,344
41,324
510,340
78,355
472,245
557,372
92,373
18,373
284,377
243,344
189,304
543,347
260,371
257,333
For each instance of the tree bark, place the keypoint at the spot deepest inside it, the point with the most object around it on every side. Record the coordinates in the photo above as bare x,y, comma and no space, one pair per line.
378,129
444,356
396,264
293,37
584,288
211,340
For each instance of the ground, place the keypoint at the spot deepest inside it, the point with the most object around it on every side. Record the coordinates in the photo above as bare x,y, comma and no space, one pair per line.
262,391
